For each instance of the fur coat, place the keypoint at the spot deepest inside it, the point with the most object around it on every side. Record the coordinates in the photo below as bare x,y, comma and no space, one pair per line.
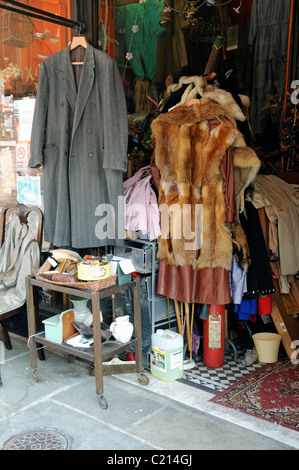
188,153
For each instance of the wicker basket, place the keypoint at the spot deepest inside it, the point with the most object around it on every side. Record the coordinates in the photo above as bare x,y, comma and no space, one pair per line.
16,30
88,285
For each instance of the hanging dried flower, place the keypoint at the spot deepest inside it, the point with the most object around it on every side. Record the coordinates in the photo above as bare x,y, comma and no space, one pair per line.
167,9
129,55
135,28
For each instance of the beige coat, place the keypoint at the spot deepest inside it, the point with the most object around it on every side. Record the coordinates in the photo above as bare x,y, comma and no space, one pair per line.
269,190
19,257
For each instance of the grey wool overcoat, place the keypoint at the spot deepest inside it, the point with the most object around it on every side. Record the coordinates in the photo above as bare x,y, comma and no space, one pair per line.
79,136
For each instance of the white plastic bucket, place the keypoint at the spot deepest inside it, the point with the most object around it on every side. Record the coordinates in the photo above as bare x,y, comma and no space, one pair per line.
267,346
167,355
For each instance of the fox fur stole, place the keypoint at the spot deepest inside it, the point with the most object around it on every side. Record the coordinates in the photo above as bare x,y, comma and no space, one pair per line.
191,201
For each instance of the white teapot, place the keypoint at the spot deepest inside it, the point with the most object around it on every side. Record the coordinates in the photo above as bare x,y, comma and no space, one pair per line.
122,329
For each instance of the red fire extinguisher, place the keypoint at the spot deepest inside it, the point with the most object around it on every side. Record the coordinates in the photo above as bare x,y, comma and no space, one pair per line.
213,337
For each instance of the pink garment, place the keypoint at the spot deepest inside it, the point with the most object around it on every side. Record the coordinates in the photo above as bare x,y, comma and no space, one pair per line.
141,206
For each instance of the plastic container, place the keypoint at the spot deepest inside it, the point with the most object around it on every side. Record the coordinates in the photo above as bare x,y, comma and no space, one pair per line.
59,327
140,257
167,355
267,346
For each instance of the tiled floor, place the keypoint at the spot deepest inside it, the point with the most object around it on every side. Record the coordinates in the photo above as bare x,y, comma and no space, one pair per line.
218,379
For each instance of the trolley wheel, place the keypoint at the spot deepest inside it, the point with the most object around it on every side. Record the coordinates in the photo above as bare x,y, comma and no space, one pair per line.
143,379
103,402
35,376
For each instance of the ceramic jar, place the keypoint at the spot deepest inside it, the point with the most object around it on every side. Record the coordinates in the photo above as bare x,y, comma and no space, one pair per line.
82,313
122,329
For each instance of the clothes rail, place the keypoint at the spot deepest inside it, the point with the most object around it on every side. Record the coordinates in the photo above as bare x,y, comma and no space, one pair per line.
43,15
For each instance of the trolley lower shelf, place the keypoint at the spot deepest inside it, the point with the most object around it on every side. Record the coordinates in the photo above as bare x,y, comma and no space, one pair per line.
101,351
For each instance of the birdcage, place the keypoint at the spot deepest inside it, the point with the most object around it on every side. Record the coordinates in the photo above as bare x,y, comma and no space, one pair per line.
15,29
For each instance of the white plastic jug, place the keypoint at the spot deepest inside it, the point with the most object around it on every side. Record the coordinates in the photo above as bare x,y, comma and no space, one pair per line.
167,355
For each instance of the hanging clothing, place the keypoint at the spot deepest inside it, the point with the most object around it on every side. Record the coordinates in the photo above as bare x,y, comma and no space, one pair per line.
269,190
183,176
247,309
188,154
269,29
259,277
264,305
238,282
142,44
141,205
207,286
79,136
172,54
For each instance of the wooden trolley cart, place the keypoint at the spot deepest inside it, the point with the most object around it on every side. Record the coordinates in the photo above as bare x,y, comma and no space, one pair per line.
99,352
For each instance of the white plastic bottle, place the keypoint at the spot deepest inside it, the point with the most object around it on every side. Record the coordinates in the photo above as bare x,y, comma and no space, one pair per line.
167,355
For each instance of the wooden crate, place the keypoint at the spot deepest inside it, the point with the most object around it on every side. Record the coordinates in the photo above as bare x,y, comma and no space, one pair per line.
16,30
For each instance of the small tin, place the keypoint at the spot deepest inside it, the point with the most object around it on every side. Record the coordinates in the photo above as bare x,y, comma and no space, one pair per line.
93,269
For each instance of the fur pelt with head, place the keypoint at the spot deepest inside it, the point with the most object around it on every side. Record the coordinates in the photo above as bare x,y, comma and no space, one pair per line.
198,87
188,155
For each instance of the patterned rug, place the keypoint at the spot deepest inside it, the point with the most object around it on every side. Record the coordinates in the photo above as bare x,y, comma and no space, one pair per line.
270,393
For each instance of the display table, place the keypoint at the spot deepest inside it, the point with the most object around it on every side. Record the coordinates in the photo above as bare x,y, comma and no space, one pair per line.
100,352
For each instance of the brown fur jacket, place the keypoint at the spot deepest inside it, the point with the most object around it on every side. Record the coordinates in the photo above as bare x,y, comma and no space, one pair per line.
188,156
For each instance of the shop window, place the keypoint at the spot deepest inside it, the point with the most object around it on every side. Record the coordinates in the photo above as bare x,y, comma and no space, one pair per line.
24,43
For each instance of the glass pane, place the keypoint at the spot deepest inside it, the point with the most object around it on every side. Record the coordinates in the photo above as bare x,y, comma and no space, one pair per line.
25,42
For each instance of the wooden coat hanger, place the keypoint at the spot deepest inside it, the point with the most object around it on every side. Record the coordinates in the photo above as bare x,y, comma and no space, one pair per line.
76,42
